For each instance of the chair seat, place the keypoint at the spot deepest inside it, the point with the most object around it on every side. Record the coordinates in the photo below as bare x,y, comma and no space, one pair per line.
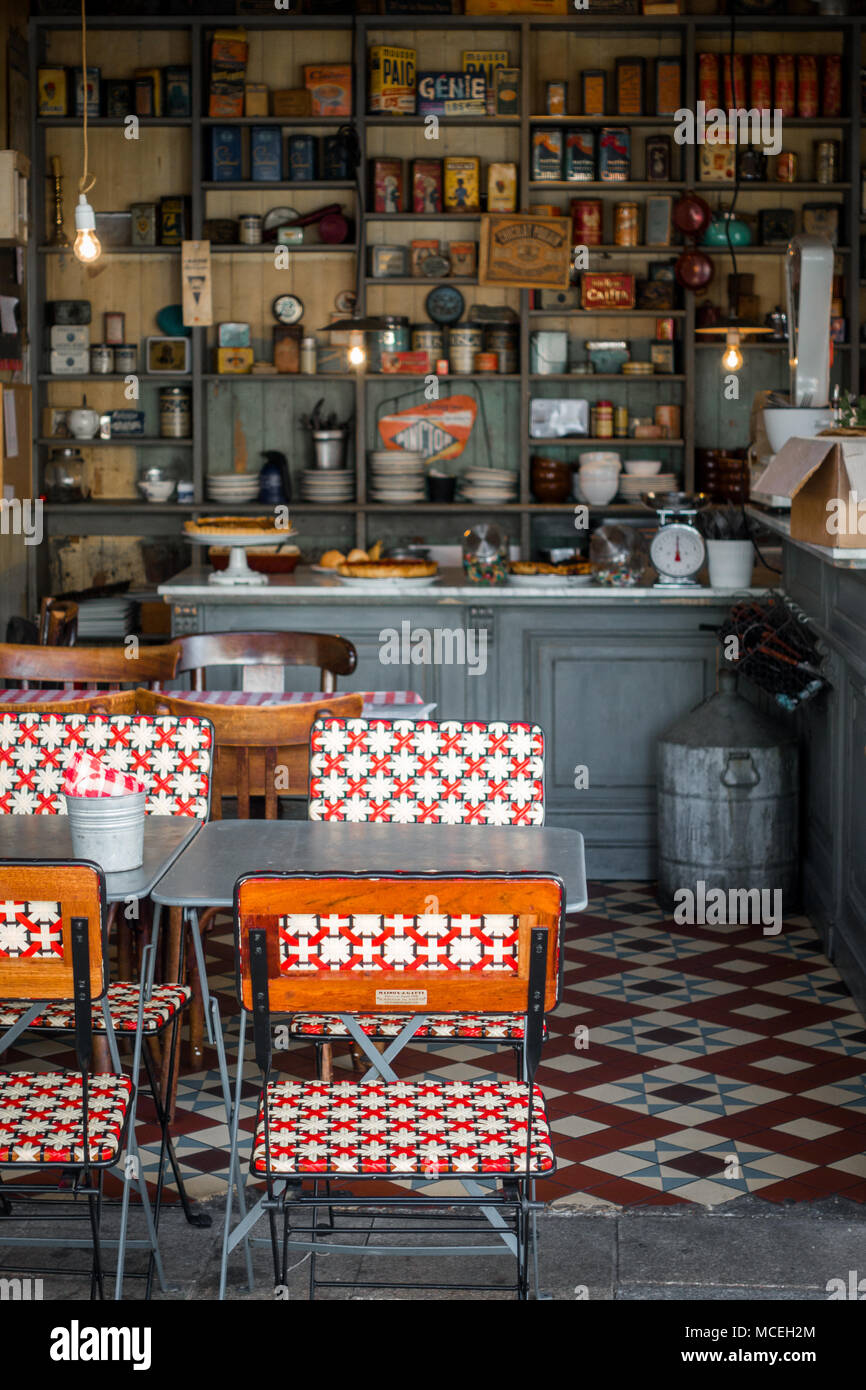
41,1119
427,1128
489,1027
165,1001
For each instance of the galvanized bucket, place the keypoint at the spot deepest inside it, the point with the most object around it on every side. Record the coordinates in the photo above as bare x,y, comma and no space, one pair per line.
108,830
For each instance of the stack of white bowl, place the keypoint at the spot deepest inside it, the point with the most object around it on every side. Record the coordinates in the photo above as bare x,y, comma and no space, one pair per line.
597,480
489,486
644,475
328,485
233,488
397,475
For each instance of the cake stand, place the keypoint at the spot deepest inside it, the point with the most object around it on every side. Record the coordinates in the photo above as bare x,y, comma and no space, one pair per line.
238,571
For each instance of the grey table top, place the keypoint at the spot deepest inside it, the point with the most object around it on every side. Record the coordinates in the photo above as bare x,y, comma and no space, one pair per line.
48,837
206,873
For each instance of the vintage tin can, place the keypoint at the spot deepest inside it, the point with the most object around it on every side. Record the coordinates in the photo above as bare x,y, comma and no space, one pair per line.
625,224
101,359
670,419
826,161
143,224
548,352
587,221
486,362
620,422
501,187
388,262
393,336
708,79
266,154
387,185
464,344
831,86
426,185
461,182
784,84
442,366
601,420
126,357
393,74
250,229
113,326
463,257
419,251
173,221
502,339
555,98
579,156
761,84
593,85
807,85
614,154
658,158
308,358
428,339
630,86
669,86
175,412
734,88
787,166
547,155
301,154
335,163
665,330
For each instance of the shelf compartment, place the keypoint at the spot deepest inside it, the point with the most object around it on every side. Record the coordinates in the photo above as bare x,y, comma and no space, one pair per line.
132,441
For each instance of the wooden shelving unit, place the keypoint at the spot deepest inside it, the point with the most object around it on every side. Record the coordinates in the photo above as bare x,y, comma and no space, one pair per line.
541,49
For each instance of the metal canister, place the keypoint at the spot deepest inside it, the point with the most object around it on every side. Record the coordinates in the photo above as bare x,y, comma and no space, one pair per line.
464,344
735,87
670,419
250,225
175,412
665,330
826,161
503,338
427,338
785,84
625,224
708,79
831,86
587,222
101,359
126,357
620,422
727,800
486,362
393,336
807,85
787,167
761,86
601,420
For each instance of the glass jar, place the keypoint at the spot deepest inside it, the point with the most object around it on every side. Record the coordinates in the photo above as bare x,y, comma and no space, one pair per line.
485,554
64,476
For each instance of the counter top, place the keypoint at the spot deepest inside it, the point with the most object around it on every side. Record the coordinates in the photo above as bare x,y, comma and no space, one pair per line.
304,586
839,557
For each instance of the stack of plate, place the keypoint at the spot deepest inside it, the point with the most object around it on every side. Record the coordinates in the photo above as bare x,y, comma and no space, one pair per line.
106,617
489,486
396,475
233,487
328,485
631,488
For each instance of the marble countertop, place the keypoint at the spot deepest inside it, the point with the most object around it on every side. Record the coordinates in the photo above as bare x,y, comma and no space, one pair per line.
304,586
838,556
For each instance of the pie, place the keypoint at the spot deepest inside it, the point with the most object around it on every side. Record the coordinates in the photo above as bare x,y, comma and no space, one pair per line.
387,569
227,525
543,567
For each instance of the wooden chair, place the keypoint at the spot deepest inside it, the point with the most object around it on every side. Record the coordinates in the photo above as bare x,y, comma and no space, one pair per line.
58,623
261,750
107,702
87,666
259,651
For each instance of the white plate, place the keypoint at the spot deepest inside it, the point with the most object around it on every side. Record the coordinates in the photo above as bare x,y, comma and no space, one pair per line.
541,581
384,584
234,538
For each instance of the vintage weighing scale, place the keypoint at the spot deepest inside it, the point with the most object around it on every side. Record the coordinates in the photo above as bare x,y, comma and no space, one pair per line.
677,549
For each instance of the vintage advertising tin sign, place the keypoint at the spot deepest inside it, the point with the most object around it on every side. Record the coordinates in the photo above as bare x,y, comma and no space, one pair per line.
452,94
461,184
520,250
426,185
392,79
604,290
437,429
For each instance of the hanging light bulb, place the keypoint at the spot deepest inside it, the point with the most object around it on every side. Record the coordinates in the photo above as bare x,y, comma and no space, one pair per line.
732,357
357,351
87,246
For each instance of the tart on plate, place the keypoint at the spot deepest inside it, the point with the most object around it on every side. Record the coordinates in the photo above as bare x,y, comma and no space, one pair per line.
544,567
387,569
227,525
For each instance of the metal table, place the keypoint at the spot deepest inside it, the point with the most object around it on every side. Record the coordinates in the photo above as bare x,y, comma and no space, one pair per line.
49,837
206,873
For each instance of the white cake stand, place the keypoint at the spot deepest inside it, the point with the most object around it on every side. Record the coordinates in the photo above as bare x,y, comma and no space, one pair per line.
238,571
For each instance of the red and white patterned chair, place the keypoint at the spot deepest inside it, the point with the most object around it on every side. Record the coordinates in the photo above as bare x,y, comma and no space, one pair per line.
431,773
171,755
53,974
349,941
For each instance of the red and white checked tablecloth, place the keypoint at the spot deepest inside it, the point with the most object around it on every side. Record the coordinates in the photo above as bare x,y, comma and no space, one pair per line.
387,704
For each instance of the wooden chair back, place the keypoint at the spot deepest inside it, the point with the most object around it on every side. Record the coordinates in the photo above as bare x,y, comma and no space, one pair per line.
37,904
88,666
261,652
101,702
58,622
261,750
405,942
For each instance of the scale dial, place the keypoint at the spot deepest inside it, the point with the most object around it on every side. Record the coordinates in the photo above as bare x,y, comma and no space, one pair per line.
677,551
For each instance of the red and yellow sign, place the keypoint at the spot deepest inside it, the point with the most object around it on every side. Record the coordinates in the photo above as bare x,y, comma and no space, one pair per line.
437,429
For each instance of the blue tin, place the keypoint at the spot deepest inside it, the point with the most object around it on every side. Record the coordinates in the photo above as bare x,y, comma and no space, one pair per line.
225,153
302,158
266,154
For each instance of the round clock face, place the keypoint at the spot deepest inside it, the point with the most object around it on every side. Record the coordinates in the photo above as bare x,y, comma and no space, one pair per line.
677,551
287,308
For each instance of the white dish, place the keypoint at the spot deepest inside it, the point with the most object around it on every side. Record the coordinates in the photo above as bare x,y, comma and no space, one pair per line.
545,581
235,538
384,584
643,468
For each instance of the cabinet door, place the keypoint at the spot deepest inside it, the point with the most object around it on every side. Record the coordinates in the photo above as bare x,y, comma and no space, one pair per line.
853,915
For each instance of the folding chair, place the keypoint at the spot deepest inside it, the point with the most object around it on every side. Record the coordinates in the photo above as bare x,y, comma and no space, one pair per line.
53,970
174,758
410,772
353,940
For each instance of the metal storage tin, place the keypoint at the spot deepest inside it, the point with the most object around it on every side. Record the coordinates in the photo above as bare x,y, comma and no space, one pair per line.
393,336
175,412
463,345
101,359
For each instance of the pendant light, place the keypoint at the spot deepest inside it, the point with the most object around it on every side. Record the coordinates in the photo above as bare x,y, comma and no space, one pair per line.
87,247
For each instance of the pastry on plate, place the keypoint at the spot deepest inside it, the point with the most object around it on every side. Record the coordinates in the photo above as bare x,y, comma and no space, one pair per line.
387,569
228,525
544,567
356,556
331,559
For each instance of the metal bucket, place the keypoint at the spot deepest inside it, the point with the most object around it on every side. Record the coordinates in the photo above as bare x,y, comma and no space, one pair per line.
108,830
330,448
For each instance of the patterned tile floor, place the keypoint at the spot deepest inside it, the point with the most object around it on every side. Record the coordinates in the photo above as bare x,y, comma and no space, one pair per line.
684,1064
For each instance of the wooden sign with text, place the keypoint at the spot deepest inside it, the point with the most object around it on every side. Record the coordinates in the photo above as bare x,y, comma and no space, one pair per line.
529,252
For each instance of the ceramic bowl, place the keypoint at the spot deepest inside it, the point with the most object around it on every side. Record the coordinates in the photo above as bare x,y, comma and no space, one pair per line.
597,491
643,468
158,491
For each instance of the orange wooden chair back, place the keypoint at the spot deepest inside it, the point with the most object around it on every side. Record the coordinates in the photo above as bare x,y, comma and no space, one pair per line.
37,904
90,666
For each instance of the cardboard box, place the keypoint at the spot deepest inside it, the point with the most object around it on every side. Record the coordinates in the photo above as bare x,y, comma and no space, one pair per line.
330,89
14,180
825,479
255,99
502,188
51,88
292,101
392,79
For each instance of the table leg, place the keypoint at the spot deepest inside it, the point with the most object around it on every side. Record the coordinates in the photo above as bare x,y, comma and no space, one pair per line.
173,972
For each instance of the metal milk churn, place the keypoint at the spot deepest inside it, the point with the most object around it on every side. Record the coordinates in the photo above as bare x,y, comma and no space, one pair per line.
727,799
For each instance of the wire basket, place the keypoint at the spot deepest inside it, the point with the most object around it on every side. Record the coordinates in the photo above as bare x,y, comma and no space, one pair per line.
776,648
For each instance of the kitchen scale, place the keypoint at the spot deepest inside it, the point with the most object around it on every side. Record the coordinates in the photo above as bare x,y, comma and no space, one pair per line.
677,549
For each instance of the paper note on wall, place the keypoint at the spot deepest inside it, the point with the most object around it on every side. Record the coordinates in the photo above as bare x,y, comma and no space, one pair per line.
10,425
8,321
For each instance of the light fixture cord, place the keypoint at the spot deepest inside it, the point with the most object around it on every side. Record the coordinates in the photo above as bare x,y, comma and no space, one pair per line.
86,182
